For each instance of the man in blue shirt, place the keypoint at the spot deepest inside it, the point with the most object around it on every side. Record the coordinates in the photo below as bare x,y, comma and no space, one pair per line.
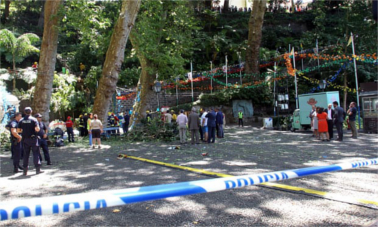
211,125
352,112
16,142
219,122
29,128
42,140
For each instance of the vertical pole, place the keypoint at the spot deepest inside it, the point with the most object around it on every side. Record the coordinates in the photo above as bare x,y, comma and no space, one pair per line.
191,71
274,90
355,74
226,73
295,81
211,74
241,81
302,58
157,97
317,50
177,80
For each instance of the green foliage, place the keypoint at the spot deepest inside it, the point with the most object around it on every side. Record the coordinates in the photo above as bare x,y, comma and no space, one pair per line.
155,130
163,35
259,95
17,49
21,94
4,137
85,20
64,96
283,122
185,106
129,77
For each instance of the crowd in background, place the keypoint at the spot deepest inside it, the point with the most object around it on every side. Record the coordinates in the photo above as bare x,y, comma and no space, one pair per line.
323,121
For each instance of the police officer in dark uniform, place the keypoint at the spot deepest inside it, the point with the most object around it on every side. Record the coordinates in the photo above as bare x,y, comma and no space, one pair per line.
29,127
42,140
85,119
112,122
16,142
81,125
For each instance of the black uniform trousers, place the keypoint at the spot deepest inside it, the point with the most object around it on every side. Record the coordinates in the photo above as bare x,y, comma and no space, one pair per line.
125,128
16,147
330,128
241,122
31,144
81,130
11,147
201,133
70,134
43,145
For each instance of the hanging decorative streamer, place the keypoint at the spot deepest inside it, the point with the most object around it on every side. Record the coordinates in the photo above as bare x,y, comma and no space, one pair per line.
329,81
233,72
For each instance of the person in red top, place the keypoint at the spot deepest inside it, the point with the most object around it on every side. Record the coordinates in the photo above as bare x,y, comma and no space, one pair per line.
322,125
69,126
116,122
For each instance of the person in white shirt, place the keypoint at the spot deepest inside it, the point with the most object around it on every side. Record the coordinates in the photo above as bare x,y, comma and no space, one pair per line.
96,127
204,125
167,118
182,121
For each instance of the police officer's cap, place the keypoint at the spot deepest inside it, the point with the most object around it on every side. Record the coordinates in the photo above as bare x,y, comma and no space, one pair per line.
38,115
28,108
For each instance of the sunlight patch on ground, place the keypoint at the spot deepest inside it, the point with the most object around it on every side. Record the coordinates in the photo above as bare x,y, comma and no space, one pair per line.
244,212
196,163
239,163
182,204
135,183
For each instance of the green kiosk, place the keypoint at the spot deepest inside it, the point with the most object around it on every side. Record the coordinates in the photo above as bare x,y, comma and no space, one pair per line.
301,119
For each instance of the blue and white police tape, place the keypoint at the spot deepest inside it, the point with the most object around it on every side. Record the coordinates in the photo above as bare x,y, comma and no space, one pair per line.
95,200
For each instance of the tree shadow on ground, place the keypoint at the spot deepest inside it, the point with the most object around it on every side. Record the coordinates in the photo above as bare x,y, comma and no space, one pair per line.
79,170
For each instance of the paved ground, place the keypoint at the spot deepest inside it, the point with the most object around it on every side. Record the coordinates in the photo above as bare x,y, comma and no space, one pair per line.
245,150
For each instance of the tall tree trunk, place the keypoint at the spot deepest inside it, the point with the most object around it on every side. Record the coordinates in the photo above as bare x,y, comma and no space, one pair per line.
144,84
47,59
6,11
114,57
255,24
143,91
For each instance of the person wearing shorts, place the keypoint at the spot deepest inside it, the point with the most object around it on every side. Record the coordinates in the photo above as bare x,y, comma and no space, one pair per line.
96,128
204,126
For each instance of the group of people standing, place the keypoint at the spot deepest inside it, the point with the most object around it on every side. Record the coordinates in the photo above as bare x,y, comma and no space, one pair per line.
28,134
90,125
203,126
323,120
